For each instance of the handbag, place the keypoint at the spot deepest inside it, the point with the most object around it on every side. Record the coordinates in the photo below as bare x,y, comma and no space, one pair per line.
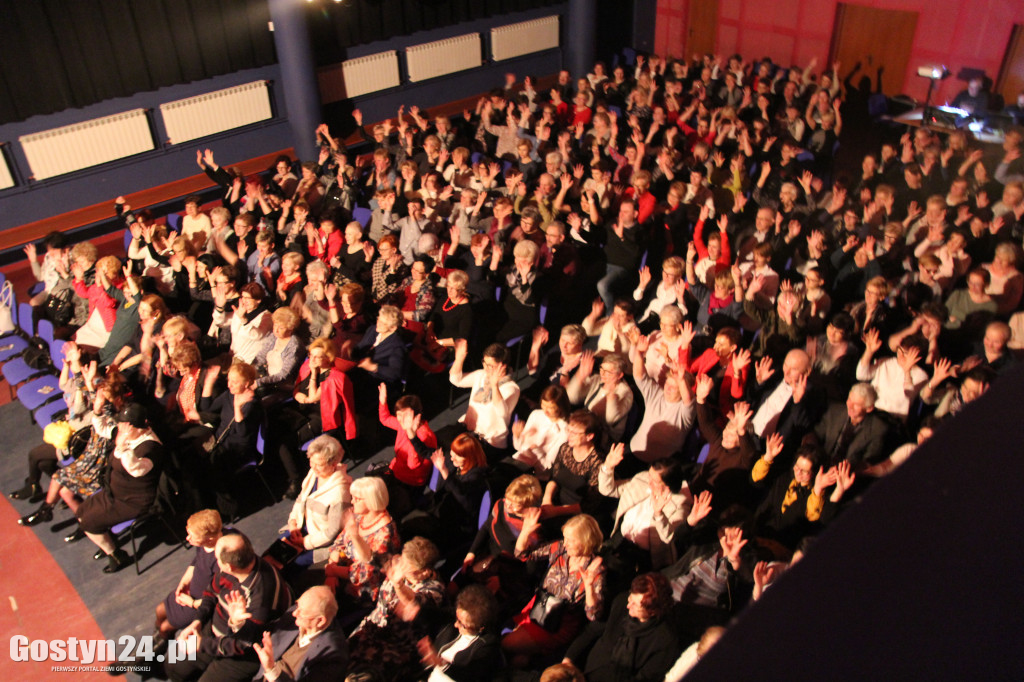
60,307
548,610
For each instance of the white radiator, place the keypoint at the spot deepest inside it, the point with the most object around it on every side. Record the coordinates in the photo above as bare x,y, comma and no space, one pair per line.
215,112
442,57
525,37
89,143
370,73
6,179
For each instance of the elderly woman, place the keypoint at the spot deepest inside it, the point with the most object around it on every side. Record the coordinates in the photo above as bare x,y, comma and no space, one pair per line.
450,518
451,319
468,649
380,355
538,440
323,404
607,395
316,516
353,262
238,416
523,291
83,477
349,321
1007,282
250,324
388,272
135,472
385,642
367,540
668,410
571,593
179,609
418,293
289,281
636,642
277,362
557,365
491,557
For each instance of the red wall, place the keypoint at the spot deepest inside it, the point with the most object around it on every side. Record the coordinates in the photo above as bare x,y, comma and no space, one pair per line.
957,33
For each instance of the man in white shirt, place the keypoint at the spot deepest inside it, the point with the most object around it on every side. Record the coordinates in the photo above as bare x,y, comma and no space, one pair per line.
897,380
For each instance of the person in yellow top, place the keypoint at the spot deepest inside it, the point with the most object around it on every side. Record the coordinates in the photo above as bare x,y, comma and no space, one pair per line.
793,503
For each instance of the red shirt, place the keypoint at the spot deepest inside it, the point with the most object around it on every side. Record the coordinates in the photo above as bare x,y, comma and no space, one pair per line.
407,465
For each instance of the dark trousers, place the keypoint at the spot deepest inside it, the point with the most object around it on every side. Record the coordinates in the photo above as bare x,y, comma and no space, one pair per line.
42,459
211,668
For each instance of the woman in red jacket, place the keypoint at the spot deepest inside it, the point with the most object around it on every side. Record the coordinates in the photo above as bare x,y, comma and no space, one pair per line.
102,306
324,403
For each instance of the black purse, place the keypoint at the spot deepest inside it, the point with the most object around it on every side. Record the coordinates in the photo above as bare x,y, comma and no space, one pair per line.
548,610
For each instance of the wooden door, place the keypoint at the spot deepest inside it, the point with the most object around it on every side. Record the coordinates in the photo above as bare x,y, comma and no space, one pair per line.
1011,75
701,28
875,38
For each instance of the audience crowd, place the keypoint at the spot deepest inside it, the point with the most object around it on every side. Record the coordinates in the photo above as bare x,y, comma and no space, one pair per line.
689,344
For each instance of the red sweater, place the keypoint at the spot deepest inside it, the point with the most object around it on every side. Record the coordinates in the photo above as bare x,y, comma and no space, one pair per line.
730,391
407,465
337,402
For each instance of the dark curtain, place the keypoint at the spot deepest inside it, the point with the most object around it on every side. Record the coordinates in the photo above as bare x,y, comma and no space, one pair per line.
336,27
57,55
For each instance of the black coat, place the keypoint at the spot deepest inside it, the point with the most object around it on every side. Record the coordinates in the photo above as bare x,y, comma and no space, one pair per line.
479,661
624,649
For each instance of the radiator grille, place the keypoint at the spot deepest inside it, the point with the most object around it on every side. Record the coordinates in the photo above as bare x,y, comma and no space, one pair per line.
371,73
525,37
89,143
215,112
442,57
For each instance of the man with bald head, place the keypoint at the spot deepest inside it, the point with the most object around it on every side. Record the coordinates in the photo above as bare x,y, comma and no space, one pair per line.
245,594
784,402
305,644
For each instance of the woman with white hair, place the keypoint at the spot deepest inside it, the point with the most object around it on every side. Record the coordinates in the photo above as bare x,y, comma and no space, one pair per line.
316,516
522,291
368,539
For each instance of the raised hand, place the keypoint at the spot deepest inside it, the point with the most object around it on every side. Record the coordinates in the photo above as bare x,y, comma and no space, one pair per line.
531,520
740,360
701,508
908,358
824,479
944,369
799,388
382,393
844,477
703,387
687,334
642,344
741,414
763,370
265,652
772,447
872,341
237,608
645,277
732,542
764,575
615,455
586,363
